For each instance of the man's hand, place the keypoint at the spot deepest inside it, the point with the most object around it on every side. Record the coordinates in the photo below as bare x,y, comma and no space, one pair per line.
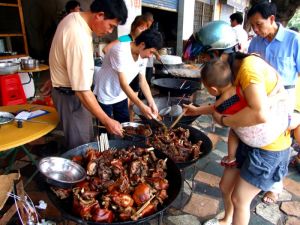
154,108
113,127
147,111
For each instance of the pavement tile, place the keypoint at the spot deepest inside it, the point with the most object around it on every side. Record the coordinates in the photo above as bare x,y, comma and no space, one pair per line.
202,188
269,212
214,139
292,186
258,220
202,206
208,179
183,220
292,221
291,208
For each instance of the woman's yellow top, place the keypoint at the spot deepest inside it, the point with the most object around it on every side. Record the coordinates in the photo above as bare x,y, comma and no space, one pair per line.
255,70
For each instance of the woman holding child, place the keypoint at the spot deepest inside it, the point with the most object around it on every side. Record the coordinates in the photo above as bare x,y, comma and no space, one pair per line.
257,167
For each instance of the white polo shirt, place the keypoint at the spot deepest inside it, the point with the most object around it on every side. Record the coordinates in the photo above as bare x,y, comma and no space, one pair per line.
118,59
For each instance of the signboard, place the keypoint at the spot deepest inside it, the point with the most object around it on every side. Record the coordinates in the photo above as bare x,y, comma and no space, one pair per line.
170,5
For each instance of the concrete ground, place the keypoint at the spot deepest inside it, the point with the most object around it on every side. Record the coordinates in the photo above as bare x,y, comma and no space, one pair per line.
191,208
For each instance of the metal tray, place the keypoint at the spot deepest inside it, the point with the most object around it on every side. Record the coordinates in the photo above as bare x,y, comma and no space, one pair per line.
134,124
6,117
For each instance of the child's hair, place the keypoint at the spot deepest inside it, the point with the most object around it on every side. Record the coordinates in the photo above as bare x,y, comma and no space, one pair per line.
216,73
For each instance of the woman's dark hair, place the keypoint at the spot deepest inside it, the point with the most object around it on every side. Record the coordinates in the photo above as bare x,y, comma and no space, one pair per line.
238,17
216,73
151,38
266,10
113,9
71,5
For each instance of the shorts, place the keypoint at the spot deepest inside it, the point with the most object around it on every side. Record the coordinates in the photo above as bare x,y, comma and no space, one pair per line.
135,84
262,168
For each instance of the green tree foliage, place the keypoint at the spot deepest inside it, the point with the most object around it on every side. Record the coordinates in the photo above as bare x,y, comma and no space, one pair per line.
295,21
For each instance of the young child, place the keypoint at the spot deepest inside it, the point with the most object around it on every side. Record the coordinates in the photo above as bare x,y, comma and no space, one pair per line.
217,78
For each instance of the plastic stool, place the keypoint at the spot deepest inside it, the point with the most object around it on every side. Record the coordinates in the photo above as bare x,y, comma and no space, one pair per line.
11,90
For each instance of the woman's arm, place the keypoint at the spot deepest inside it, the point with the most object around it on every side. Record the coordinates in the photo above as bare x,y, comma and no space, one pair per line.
254,113
198,110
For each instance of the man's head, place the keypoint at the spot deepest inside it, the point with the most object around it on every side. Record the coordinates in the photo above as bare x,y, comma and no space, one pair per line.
236,19
262,18
149,18
149,41
107,14
72,6
138,26
216,75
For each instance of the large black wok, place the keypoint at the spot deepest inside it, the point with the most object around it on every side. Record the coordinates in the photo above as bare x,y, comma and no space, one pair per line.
173,176
176,86
161,102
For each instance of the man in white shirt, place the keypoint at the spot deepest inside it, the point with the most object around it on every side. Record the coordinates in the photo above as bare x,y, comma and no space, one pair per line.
236,21
119,68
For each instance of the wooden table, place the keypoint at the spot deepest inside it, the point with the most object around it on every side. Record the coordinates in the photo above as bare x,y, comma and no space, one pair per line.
39,68
13,139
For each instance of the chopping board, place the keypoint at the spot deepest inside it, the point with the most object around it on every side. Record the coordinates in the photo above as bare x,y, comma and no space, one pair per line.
6,185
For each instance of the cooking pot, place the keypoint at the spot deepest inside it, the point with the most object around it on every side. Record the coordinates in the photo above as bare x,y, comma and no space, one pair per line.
9,67
27,64
173,176
176,87
162,102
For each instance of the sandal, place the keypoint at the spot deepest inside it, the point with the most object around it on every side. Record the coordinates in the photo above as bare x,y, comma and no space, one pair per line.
270,197
226,163
213,221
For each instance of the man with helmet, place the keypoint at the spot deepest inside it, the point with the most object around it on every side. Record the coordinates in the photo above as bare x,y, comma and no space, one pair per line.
257,79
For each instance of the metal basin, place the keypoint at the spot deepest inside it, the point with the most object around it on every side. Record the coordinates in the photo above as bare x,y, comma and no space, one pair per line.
8,68
61,172
162,102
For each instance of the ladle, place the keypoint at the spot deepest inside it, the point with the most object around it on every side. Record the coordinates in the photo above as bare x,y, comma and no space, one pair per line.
165,111
176,110
179,117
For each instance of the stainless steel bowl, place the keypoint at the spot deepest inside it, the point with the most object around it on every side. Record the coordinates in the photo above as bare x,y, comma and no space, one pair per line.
6,117
9,67
27,64
61,172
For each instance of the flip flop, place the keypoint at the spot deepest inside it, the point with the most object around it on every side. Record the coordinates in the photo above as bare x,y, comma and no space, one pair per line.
213,221
270,197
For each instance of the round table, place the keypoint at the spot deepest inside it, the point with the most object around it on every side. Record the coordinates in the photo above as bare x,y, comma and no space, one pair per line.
11,136
39,68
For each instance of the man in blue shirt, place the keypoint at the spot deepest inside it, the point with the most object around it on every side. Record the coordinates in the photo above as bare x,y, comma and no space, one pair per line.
281,48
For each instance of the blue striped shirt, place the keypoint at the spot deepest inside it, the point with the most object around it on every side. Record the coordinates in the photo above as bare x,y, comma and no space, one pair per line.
283,53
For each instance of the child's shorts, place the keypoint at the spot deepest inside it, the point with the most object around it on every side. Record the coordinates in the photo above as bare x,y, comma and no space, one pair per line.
262,168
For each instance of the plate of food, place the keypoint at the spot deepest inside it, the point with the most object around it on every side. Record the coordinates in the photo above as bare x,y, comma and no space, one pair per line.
6,117
136,129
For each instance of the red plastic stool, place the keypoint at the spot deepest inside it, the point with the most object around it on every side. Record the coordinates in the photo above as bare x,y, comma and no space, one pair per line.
11,90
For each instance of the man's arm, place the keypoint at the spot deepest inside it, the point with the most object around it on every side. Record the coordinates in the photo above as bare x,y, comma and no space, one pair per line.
133,97
89,100
147,93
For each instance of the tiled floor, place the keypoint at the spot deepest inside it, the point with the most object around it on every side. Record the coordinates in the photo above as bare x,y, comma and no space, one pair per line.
206,201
